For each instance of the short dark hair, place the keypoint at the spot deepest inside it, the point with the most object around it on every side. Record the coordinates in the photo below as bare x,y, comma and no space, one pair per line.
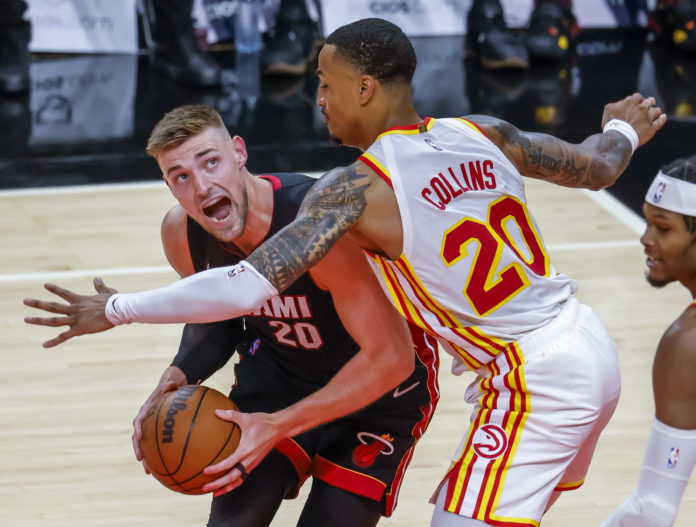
377,48
684,169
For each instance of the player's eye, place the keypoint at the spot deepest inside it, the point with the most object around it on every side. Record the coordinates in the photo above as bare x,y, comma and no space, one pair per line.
212,162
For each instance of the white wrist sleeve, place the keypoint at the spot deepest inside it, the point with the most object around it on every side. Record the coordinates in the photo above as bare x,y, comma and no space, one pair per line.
668,462
625,129
209,296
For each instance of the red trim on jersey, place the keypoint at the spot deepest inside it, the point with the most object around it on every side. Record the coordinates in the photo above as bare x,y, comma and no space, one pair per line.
277,183
409,127
475,125
427,353
378,170
517,394
693,305
297,456
346,479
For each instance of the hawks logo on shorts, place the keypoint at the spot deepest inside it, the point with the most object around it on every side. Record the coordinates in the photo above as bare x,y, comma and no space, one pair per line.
364,455
490,441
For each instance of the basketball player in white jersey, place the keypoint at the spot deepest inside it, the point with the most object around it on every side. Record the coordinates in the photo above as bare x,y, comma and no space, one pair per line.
670,244
439,207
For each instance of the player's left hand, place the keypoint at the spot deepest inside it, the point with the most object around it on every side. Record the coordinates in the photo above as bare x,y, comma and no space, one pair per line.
83,313
260,433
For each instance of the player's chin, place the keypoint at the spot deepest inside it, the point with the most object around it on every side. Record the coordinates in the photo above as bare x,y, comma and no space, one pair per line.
657,281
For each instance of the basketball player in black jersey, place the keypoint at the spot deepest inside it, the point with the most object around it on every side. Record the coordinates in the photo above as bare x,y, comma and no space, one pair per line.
293,345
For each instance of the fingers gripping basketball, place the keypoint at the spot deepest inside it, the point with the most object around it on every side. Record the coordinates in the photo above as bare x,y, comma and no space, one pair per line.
182,435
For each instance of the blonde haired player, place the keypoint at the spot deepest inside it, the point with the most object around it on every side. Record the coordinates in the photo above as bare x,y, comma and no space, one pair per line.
439,206
670,456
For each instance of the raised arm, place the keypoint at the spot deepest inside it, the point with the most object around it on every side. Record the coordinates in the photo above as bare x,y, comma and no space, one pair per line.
595,163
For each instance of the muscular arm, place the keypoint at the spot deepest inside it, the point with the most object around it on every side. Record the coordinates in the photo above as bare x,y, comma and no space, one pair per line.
595,163
334,204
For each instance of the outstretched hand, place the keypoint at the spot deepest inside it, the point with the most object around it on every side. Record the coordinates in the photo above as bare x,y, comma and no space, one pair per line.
260,433
638,111
83,314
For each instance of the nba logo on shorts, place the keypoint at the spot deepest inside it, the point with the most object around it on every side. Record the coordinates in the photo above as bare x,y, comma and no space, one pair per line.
659,191
673,457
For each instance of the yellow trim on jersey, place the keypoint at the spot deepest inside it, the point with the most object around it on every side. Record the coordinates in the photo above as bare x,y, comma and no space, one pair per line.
570,485
471,125
415,130
487,343
399,296
514,431
372,159
483,414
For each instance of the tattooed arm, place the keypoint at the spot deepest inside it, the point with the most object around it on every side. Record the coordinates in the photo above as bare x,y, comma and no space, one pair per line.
595,163
335,202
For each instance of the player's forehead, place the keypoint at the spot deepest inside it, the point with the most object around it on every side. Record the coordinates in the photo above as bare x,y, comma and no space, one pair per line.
331,63
653,212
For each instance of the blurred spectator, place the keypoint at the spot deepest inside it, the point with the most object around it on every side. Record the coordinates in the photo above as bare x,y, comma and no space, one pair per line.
549,35
675,22
14,47
177,52
291,47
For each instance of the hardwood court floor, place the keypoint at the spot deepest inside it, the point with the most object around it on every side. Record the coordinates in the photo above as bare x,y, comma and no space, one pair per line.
65,452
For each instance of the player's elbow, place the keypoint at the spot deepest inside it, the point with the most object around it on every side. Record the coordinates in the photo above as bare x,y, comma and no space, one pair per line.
603,174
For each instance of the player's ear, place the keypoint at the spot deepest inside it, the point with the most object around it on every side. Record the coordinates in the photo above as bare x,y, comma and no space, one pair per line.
366,88
240,150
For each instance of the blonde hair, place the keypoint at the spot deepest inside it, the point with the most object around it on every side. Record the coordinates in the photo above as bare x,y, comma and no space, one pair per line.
181,124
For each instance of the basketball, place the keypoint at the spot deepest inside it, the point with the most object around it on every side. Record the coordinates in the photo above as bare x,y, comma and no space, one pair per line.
182,435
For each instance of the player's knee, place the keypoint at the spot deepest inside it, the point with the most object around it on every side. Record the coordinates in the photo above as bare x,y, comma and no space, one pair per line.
644,511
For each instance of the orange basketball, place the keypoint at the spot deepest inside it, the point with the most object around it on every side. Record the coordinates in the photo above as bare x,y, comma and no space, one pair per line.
182,435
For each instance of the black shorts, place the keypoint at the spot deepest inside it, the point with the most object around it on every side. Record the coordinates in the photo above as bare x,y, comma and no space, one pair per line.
366,452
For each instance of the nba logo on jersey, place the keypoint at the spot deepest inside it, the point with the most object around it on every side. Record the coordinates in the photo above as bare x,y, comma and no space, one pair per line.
430,143
673,457
659,191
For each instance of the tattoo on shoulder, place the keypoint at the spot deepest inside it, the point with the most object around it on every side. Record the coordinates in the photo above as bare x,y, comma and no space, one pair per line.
335,202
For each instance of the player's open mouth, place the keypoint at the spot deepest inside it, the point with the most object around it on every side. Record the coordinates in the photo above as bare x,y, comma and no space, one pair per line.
652,262
219,210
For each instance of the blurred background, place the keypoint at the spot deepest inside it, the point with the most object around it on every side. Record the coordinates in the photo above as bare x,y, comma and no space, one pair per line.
82,82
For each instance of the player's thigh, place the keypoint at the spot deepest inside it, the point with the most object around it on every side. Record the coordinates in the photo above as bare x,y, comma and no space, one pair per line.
256,501
330,506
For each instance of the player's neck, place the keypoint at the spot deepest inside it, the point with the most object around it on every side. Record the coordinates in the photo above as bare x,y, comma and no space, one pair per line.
397,112
259,215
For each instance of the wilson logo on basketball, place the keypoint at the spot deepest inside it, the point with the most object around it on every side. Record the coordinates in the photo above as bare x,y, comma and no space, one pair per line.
490,441
178,403
365,455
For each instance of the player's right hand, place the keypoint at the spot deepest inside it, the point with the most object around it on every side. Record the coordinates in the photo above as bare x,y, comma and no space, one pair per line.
638,111
171,379
83,313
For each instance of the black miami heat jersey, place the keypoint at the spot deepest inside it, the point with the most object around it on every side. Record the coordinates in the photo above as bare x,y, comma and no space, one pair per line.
294,344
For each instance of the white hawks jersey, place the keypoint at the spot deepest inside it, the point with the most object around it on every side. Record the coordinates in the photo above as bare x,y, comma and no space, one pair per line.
474,270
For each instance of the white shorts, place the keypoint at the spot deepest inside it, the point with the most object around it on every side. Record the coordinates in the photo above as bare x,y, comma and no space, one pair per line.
540,408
